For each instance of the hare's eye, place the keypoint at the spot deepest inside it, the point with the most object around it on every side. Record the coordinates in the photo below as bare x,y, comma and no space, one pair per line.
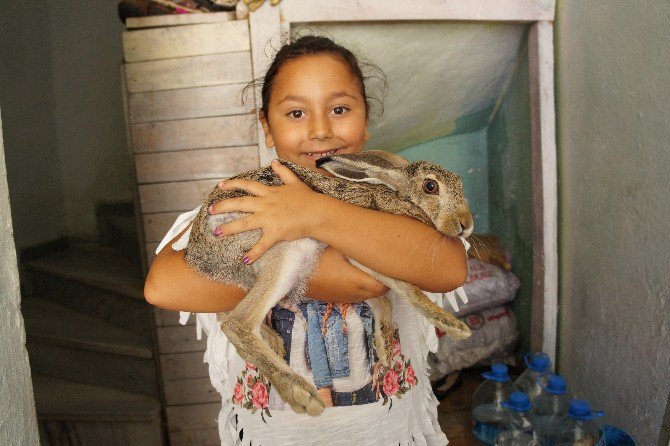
431,187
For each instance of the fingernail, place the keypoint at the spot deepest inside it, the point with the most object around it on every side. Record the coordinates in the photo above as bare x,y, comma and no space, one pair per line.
221,185
246,260
210,209
218,231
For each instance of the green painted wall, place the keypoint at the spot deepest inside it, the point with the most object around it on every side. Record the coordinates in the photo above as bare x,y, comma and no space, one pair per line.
496,169
510,194
465,155
612,65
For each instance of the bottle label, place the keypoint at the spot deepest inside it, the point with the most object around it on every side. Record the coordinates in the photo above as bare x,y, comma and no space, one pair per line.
485,432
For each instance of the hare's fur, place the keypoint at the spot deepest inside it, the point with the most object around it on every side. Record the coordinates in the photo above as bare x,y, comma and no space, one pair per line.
283,271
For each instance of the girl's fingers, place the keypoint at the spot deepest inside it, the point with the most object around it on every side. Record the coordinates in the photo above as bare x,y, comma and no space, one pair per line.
284,173
252,187
238,204
266,242
235,227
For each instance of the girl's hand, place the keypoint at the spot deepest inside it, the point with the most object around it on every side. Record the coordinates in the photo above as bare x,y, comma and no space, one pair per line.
282,212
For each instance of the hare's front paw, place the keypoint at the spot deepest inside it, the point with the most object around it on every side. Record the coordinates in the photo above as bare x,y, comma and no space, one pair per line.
384,344
297,393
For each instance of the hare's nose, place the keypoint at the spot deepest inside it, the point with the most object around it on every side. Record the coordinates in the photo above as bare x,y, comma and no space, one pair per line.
466,222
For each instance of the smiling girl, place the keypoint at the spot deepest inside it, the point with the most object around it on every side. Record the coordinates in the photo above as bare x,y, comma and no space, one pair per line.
314,104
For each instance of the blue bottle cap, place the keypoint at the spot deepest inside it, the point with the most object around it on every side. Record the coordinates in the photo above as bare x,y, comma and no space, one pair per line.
580,410
498,373
556,385
518,402
538,362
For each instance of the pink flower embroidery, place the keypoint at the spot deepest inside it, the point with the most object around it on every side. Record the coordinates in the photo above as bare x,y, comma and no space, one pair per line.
410,378
398,378
391,383
238,393
250,366
259,395
396,347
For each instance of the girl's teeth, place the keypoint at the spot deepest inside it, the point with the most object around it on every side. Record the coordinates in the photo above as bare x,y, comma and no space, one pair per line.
321,155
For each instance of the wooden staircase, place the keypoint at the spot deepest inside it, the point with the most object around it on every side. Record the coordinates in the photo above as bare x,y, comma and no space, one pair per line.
90,340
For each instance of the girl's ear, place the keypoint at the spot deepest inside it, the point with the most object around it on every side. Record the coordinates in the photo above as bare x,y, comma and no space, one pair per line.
269,141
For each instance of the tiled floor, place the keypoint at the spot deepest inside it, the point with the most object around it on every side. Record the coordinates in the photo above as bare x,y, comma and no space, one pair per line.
454,411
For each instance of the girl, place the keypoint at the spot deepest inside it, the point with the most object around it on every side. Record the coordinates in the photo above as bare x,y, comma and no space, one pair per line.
314,104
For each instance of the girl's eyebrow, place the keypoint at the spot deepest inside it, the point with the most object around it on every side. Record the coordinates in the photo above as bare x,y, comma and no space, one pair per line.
334,95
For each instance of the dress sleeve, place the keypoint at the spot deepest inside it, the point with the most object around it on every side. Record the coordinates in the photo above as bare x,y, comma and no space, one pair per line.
179,225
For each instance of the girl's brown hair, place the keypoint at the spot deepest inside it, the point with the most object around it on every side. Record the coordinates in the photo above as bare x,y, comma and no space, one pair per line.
316,45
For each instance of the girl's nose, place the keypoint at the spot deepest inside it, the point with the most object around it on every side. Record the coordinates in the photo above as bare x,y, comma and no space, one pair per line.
320,128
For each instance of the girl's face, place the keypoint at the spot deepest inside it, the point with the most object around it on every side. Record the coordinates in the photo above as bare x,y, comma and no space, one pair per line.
316,109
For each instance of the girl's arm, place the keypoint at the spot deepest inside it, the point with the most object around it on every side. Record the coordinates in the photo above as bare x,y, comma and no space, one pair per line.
393,245
173,285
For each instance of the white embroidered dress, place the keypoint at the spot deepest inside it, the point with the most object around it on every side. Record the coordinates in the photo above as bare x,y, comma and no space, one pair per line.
410,420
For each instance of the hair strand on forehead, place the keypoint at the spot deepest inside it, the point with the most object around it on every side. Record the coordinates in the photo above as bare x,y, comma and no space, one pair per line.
312,45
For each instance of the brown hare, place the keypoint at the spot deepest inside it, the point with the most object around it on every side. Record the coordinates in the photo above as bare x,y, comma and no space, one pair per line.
372,179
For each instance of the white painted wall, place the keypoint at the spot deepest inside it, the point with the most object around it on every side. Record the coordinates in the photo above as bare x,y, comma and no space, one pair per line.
613,60
18,423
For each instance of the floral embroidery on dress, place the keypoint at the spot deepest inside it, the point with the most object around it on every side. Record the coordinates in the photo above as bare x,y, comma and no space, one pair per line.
252,391
397,379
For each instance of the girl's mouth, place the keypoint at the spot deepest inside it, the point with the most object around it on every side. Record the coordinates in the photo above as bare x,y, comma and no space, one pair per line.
317,155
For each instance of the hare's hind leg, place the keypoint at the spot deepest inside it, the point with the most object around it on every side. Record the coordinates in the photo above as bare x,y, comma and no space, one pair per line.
434,313
383,314
275,341
281,271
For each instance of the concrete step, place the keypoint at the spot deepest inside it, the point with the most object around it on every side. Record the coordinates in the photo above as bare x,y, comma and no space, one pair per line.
55,324
118,228
67,400
93,280
96,266
74,413
64,344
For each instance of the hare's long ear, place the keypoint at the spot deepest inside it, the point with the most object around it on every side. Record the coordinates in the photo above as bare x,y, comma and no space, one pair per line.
373,166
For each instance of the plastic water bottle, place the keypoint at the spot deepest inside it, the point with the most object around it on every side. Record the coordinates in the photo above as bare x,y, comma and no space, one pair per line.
610,436
538,365
550,410
489,417
519,430
581,428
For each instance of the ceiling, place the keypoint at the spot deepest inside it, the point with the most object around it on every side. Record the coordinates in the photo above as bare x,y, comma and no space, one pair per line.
443,78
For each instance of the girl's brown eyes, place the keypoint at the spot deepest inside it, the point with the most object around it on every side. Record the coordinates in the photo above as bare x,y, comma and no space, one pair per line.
297,114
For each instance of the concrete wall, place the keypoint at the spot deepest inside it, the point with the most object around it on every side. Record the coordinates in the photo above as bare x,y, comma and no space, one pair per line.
18,423
464,154
28,102
60,89
613,60
87,54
